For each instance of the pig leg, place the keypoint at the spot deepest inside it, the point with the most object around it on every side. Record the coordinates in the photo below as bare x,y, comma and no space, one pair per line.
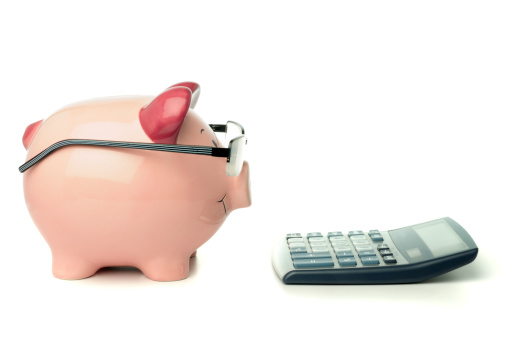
68,267
166,269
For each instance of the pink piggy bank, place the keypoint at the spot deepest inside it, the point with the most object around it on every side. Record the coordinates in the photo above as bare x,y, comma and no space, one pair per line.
132,181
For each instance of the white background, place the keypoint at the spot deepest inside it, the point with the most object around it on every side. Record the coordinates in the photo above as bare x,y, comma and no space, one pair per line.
359,115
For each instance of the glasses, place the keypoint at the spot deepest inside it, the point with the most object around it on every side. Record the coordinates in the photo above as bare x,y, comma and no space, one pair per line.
234,133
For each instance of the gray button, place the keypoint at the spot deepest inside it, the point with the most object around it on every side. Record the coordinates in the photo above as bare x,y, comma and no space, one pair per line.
314,234
317,244
376,237
360,242
337,238
296,244
291,240
355,233
347,261
316,239
370,260
309,255
340,244
293,235
358,237
366,253
334,234
319,249
344,253
313,263
342,249
363,247
298,250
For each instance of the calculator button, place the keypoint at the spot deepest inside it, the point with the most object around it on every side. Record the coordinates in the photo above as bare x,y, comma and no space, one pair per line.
337,238
347,261
316,239
293,235
298,250
382,246
376,237
334,234
385,252
370,260
291,240
344,253
341,248
313,263
340,244
355,233
314,234
309,255
317,244
366,253
373,231
319,249
360,242
296,244
389,259
363,247
357,237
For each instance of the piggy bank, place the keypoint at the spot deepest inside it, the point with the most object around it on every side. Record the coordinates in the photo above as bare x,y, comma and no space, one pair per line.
132,181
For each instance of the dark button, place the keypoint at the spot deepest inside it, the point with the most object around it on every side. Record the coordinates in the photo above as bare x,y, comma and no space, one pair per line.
385,252
382,246
389,259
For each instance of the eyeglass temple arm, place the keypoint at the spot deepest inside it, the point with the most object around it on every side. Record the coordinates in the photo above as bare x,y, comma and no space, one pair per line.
190,149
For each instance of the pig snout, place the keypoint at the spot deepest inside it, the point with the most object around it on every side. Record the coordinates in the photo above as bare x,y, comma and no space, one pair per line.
239,189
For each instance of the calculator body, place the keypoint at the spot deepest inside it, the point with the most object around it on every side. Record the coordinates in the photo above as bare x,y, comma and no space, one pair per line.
405,255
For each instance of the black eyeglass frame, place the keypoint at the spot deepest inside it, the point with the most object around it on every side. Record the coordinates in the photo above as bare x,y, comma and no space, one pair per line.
189,149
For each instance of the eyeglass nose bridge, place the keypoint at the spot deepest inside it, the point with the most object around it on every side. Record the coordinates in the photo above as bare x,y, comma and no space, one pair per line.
223,128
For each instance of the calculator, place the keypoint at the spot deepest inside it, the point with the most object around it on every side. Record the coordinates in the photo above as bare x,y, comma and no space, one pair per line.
405,255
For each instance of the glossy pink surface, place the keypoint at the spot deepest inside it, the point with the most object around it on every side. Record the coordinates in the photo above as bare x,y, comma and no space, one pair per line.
163,117
30,132
99,207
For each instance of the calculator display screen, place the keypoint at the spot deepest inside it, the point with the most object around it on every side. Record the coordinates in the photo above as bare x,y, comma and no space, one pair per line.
440,238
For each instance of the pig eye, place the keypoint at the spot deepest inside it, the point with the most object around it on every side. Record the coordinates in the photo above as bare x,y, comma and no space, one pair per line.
213,141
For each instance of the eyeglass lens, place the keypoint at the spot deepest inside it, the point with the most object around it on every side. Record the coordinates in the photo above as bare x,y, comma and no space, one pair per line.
235,163
233,130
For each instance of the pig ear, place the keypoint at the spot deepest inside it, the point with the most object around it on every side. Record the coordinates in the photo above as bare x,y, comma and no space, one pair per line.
194,87
162,118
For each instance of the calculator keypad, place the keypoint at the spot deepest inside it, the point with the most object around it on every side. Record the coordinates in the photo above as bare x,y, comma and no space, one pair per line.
337,250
